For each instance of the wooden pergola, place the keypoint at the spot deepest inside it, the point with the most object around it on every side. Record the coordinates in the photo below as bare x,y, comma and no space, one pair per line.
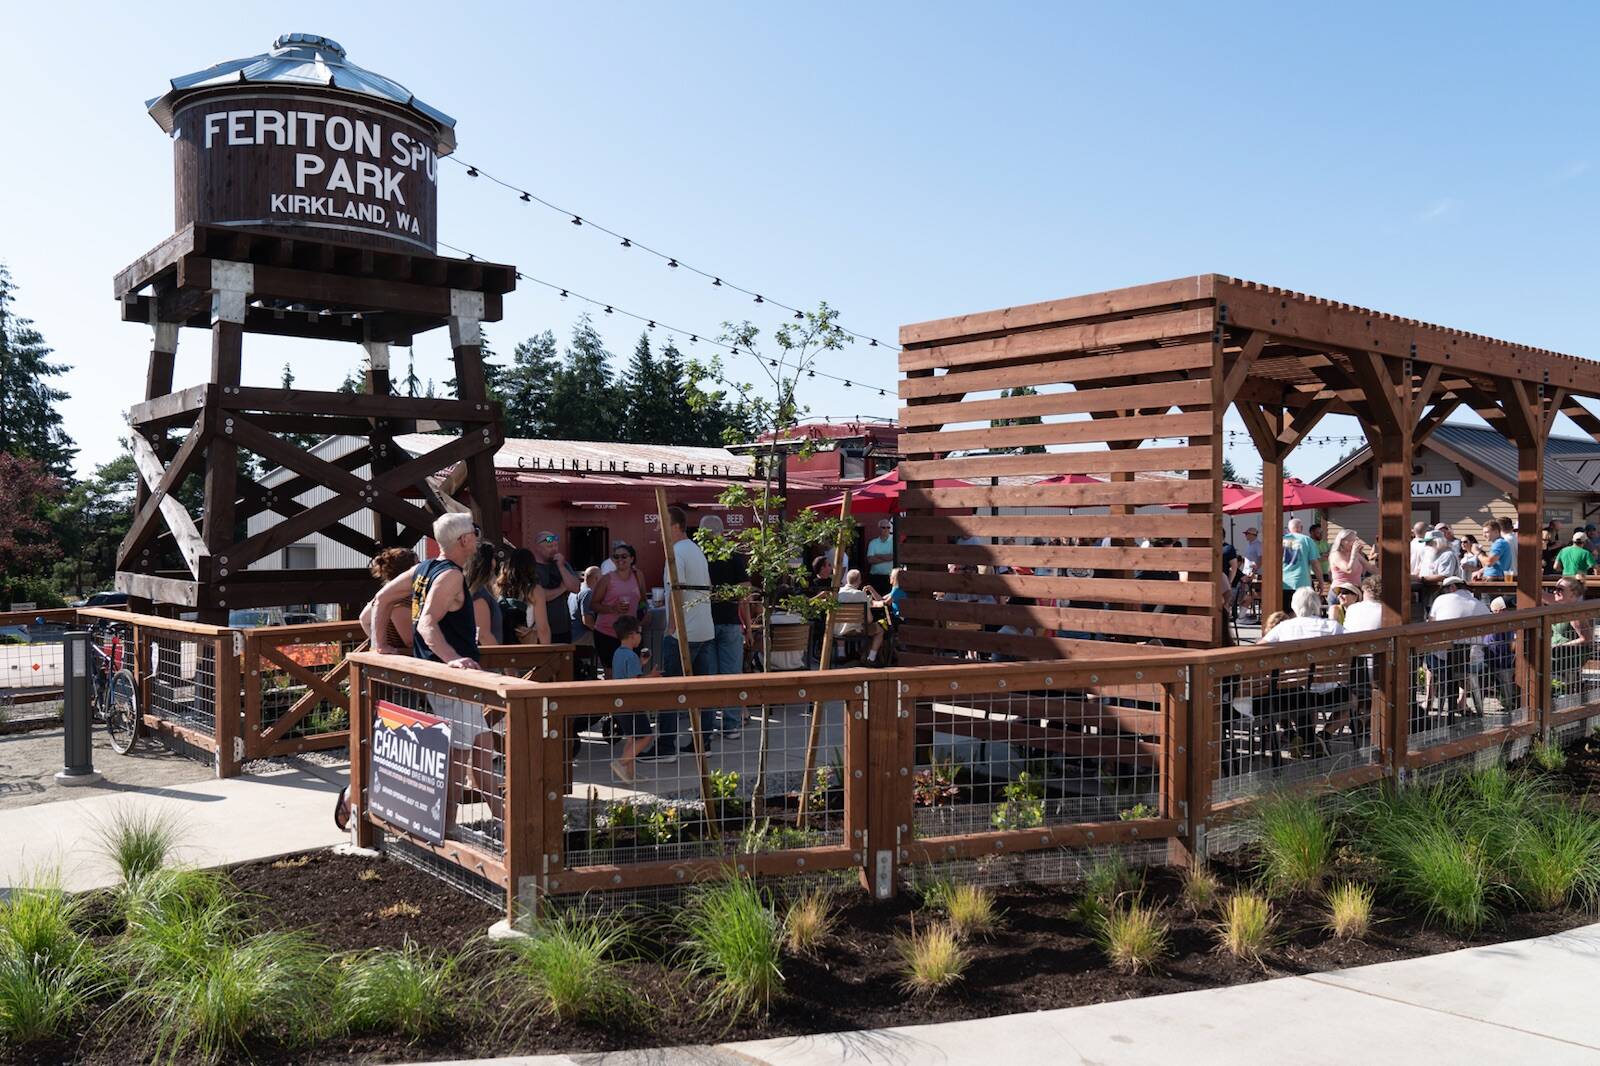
1135,382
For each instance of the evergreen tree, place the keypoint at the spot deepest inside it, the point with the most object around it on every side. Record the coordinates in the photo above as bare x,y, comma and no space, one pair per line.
1229,471
299,440
680,413
527,385
584,400
1034,420
30,407
652,415
91,522
411,382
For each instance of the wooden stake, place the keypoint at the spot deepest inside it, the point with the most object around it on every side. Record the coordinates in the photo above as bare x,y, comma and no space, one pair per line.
827,653
675,613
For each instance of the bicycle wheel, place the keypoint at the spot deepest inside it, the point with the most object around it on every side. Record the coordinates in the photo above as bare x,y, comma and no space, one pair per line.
122,712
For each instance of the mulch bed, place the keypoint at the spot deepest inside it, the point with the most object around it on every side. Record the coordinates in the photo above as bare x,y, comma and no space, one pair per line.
1042,958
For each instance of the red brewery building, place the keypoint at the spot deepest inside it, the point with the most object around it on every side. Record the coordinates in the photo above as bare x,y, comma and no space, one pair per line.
591,493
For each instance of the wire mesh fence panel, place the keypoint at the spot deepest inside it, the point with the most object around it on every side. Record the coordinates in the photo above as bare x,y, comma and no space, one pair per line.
1285,716
1047,866
1038,755
472,729
1574,661
313,687
636,793
1467,682
182,674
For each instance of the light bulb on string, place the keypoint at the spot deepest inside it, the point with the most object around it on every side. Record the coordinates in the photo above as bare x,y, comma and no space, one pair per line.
527,199
672,262
472,172
627,243
759,300
716,281
608,309
576,221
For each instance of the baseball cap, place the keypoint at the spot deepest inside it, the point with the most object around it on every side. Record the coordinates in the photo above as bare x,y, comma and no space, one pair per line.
1453,579
1251,530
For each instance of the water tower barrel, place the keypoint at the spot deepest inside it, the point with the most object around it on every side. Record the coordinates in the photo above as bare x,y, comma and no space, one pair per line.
301,141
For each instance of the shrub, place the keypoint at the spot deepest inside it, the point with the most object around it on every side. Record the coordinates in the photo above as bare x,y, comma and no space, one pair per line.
970,912
937,892
49,974
568,965
1200,887
1297,842
227,996
139,841
1133,936
931,959
1350,910
732,937
1548,756
402,992
807,922
1555,857
1023,806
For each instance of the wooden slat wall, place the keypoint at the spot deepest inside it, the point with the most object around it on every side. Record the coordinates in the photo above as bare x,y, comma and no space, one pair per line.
1116,376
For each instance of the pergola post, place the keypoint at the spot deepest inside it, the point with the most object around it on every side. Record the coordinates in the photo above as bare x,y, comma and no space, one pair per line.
1386,385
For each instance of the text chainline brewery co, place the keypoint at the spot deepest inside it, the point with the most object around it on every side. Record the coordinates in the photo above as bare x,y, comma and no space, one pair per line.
365,187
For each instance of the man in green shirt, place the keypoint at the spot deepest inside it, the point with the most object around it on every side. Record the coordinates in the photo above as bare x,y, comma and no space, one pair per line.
1299,560
1575,560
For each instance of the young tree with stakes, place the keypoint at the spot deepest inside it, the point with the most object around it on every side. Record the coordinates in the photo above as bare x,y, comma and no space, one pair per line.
774,547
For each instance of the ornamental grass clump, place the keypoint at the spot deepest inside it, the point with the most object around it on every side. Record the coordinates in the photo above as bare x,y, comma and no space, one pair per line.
1247,926
807,922
1548,756
139,841
970,912
1107,879
1554,857
1133,936
49,973
732,937
1200,887
229,995
404,992
1433,866
1297,842
568,967
1349,910
931,959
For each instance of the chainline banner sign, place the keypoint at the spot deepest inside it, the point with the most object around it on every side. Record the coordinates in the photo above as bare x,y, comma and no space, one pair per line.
408,779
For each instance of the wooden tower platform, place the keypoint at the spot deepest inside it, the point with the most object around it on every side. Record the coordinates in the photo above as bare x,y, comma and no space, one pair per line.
234,282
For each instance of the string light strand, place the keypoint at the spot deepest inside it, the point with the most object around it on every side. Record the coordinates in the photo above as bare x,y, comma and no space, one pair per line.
671,261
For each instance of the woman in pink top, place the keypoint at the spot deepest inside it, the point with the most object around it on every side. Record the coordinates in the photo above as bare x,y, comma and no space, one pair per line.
619,593
1347,560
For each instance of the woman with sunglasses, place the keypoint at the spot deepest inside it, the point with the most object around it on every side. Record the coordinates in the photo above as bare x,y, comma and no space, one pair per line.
619,593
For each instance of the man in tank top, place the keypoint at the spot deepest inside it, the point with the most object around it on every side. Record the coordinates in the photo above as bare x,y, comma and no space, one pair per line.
443,629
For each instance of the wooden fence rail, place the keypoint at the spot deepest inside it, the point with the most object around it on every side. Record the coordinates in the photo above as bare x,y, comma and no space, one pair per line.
959,762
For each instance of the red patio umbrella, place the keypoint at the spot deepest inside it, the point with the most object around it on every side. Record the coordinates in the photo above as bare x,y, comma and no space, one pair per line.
1231,494
1071,479
1297,496
881,495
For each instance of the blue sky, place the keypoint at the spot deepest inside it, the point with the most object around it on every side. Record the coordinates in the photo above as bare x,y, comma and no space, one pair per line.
903,161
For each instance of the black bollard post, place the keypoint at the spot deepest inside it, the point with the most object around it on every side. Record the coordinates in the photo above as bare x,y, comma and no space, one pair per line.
79,755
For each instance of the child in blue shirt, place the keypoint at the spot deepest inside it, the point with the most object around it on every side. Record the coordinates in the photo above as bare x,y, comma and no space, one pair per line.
626,662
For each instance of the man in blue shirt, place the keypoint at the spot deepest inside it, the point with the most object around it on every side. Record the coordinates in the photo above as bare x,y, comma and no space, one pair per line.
1495,552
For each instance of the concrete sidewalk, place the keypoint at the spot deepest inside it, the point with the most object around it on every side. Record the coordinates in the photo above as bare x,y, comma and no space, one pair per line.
220,822
1526,1002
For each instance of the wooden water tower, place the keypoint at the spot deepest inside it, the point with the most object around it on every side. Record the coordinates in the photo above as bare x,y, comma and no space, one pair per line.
305,207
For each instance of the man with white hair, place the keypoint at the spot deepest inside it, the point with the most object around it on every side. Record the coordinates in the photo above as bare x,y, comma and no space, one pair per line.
1299,561
443,627
1307,621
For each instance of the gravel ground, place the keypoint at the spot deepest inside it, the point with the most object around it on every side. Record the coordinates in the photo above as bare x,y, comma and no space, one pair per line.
29,761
